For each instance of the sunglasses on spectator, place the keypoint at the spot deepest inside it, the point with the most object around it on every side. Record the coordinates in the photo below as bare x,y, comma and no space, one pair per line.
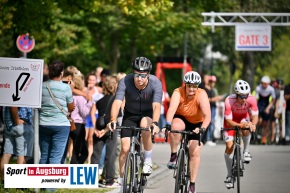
136,75
191,85
243,96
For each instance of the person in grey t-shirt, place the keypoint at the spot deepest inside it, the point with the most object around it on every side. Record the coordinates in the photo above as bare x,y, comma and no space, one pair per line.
142,93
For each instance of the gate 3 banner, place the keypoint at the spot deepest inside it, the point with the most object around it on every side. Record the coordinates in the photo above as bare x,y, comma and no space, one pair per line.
51,176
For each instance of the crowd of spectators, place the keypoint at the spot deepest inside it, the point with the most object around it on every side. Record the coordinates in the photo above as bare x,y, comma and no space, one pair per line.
86,97
78,95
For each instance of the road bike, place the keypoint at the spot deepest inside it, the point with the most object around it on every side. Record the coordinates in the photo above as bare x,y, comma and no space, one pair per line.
277,131
238,163
133,179
182,170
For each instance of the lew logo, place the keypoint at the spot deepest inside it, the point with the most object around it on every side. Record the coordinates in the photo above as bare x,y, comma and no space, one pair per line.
51,175
34,67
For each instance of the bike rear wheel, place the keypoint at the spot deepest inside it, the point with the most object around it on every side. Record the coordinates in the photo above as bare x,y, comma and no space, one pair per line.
129,174
180,171
187,175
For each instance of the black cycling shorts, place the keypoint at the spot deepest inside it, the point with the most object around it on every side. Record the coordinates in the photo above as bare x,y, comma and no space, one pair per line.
132,120
265,116
189,127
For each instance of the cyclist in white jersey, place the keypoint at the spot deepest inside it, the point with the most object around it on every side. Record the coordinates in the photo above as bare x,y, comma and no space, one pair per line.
240,110
263,93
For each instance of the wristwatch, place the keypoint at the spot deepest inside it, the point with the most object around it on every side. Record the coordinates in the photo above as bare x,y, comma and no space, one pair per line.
155,123
202,130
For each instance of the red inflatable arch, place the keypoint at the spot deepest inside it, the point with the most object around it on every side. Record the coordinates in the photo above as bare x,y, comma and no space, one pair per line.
166,65
161,66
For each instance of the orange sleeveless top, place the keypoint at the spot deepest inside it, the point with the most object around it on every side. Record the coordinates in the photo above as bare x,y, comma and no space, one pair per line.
189,108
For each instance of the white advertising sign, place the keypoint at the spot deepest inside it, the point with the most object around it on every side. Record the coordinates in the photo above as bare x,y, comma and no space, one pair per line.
21,82
253,38
51,175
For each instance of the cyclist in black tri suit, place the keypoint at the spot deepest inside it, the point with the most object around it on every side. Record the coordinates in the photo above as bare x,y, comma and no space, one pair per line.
263,92
142,93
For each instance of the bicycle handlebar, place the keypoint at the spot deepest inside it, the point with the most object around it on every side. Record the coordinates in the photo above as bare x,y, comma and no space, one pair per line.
183,132
133,128
237,128
138,129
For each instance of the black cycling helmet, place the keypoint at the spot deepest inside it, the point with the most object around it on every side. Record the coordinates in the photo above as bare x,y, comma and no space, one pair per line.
142,64
280,81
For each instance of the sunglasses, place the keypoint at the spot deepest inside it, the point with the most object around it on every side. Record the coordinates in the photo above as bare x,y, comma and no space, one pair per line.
141,75
191,85
243,96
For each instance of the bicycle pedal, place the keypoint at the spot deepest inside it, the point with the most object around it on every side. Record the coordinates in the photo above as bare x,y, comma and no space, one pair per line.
241,173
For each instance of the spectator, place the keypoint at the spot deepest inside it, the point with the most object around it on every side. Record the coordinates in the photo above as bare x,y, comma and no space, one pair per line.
92,90
102,181
104,74
19,135
120,75
213,98
54,126
274,111
45,72
82,110
164,108
98,73
100,137
287,99
67,77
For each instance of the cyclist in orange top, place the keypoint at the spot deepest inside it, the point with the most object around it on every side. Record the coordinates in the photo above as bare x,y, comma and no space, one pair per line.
189,109
240,110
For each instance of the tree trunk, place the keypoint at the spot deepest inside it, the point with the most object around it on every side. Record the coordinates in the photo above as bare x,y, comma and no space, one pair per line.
115,52
249,68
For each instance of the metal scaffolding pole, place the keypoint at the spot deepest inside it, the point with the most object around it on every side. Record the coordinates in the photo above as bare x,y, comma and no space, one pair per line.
233,19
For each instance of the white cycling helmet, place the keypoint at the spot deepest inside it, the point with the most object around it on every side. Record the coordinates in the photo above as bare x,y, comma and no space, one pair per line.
192,77
266,79
242,87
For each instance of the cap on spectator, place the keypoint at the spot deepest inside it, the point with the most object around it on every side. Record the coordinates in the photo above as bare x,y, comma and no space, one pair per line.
105,72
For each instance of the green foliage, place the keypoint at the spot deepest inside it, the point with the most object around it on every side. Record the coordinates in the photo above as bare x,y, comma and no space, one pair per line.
111,33
280,68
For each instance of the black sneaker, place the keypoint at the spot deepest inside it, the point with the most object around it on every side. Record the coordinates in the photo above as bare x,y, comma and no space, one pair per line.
192,189
172,162
102,183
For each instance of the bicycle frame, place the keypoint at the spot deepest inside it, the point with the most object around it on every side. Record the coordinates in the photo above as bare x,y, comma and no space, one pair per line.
133,178
237,164
182,171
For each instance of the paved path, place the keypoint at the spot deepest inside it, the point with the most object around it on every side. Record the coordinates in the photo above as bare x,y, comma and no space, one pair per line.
269,171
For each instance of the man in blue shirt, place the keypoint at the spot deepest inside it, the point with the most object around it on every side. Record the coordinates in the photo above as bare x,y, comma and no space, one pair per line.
18,137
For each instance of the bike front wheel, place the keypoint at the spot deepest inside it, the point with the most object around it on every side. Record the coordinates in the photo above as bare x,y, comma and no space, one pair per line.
180,173
129,173
237,167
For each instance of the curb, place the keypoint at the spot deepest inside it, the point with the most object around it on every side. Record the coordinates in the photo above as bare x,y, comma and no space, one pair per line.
158,173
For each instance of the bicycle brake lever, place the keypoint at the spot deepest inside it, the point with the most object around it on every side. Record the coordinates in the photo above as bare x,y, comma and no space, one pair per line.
166,135
152,136
199,139
254,135
222,136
